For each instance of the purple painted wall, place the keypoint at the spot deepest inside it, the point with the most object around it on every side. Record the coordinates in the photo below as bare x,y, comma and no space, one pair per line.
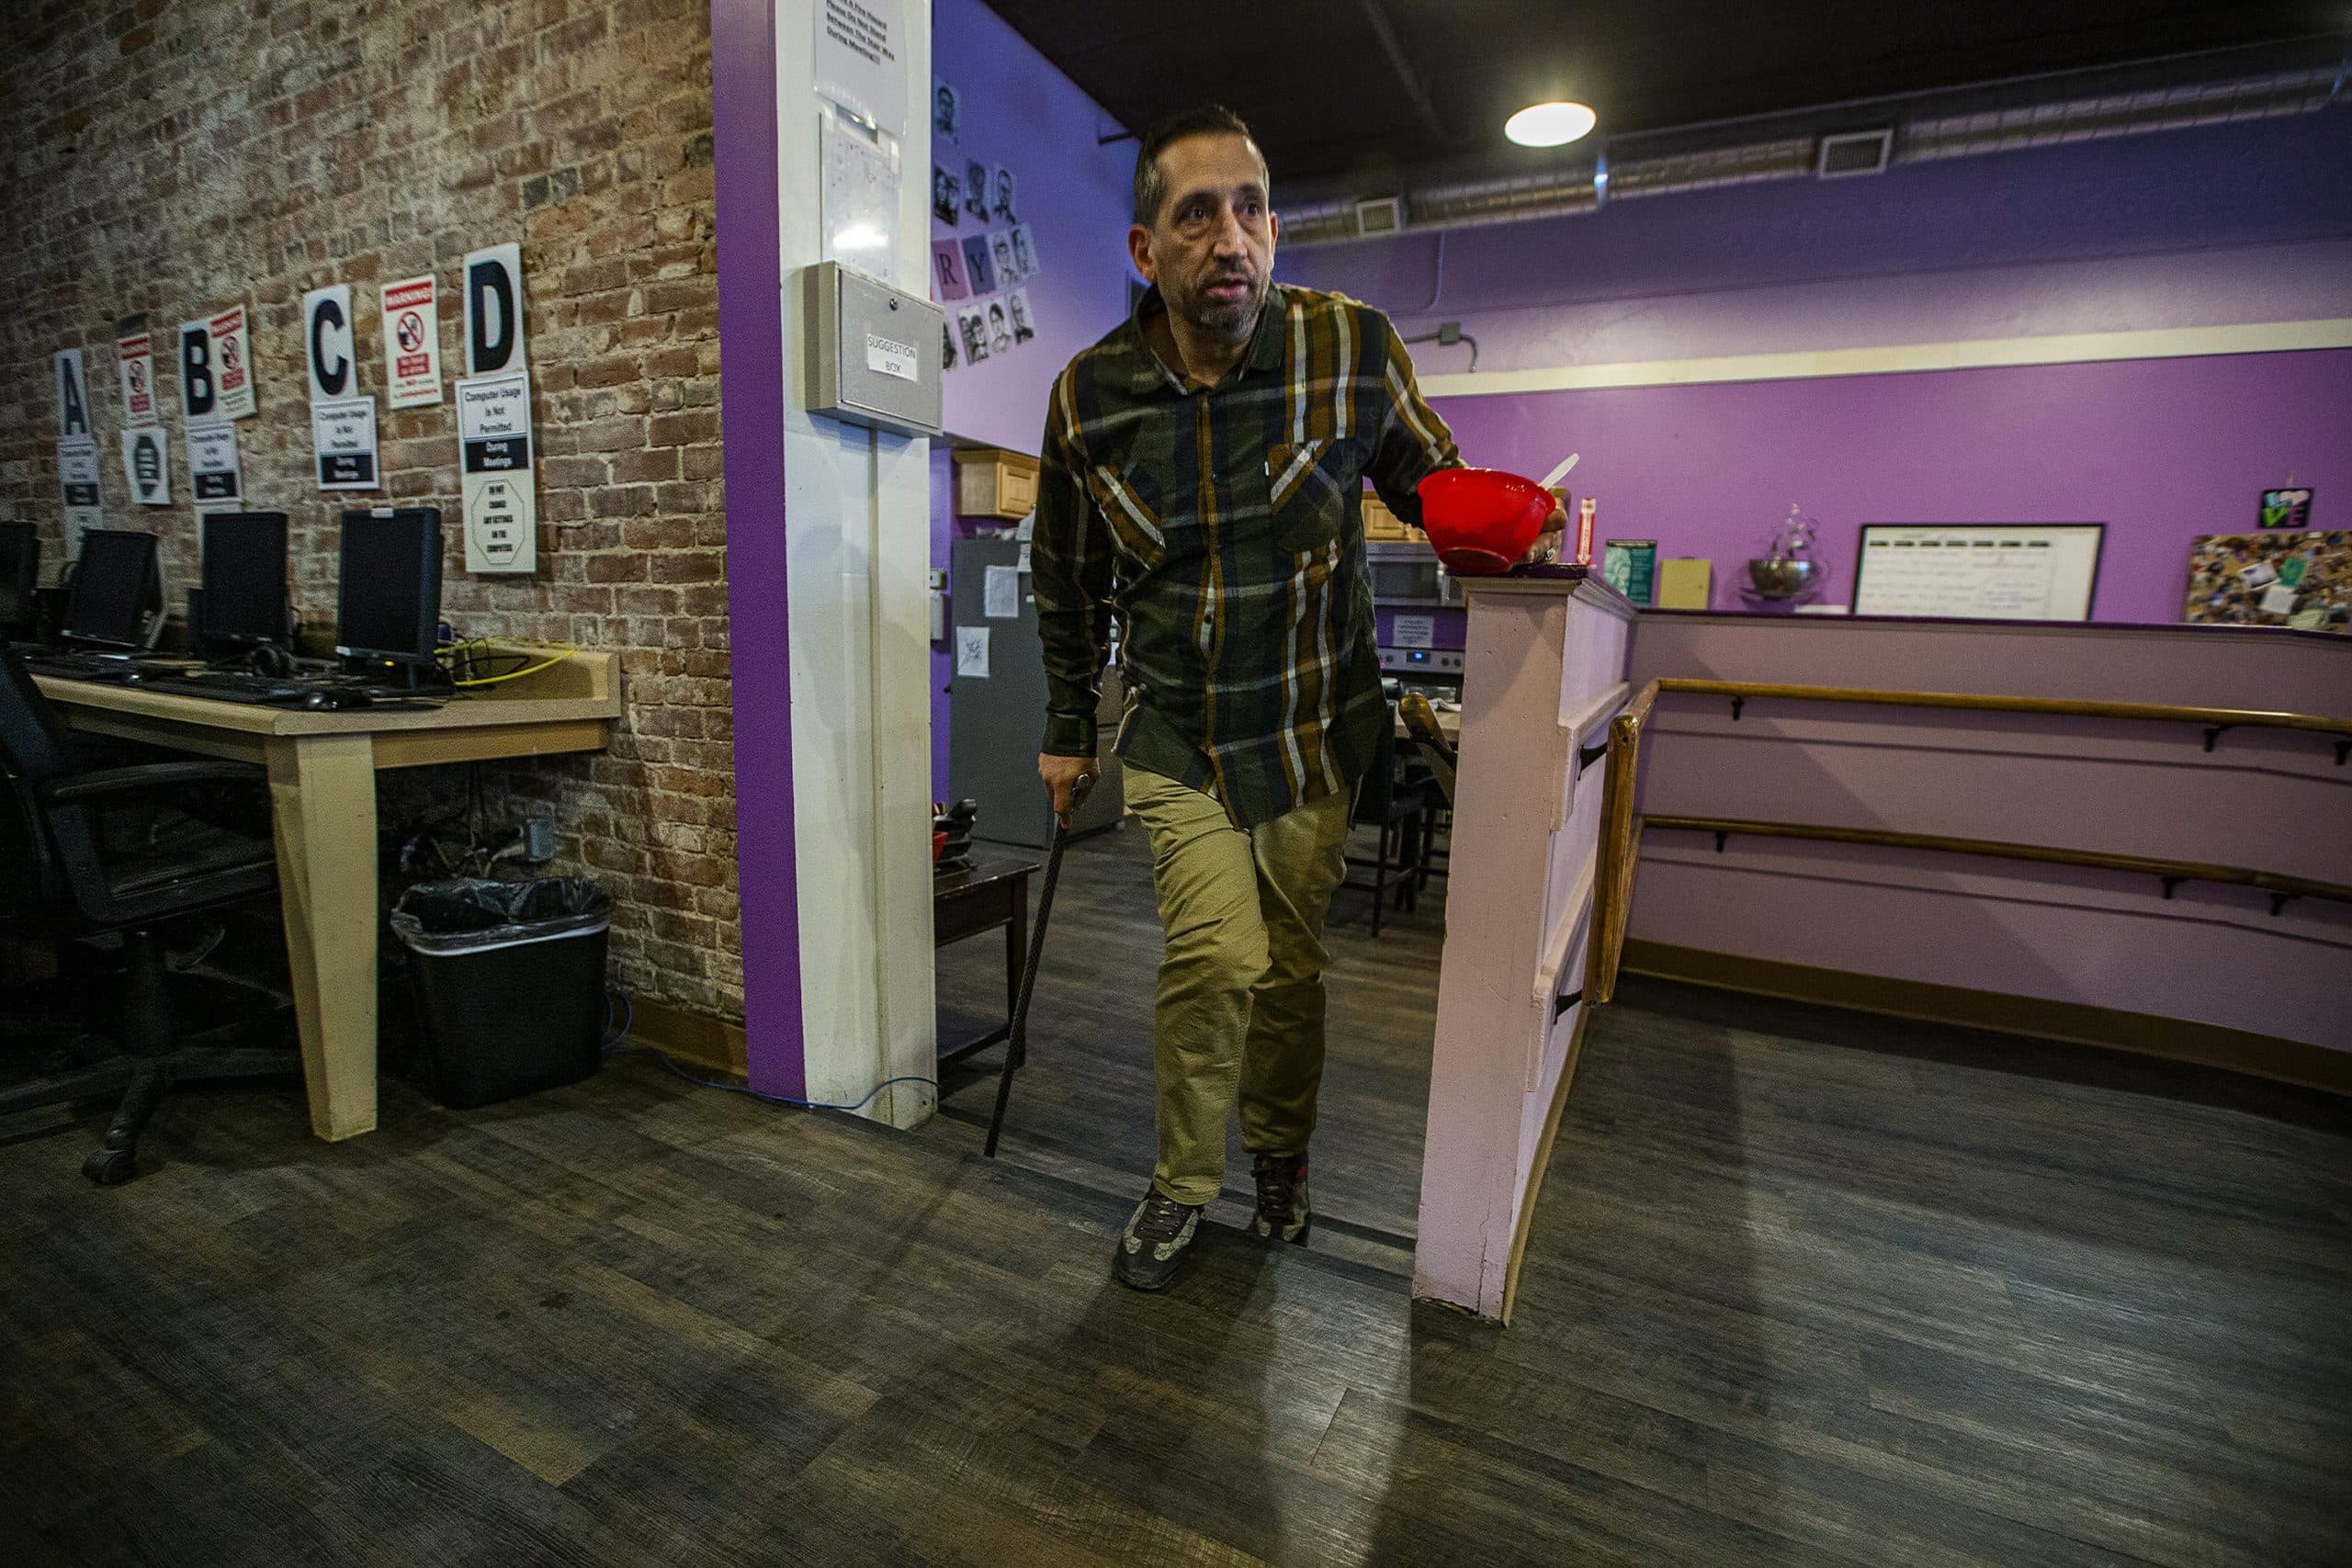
2268,800
2222,224
1021,112
2160,450
2218,226
751,325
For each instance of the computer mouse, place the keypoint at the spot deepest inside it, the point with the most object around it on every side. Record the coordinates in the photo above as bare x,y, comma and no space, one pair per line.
317,700
132,677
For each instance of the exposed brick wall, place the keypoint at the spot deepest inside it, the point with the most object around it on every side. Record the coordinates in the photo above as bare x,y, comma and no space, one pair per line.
171,156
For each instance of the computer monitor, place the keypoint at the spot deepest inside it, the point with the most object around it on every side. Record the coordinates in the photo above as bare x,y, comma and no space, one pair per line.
116,586
388,592
19,574
245,601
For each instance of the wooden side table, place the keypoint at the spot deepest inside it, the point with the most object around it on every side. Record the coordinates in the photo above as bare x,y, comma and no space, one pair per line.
993,891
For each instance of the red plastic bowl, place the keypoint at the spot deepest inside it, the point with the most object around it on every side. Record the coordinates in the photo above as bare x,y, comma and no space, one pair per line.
1482,520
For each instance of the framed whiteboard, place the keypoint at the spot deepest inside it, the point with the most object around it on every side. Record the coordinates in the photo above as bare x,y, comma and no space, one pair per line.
1988,571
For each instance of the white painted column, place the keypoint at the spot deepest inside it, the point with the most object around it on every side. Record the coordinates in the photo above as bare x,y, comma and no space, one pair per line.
857,540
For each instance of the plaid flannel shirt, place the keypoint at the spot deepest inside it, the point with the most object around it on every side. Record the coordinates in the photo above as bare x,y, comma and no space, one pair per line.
1223,528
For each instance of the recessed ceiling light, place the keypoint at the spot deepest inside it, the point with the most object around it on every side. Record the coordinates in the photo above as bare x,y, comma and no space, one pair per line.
1549,124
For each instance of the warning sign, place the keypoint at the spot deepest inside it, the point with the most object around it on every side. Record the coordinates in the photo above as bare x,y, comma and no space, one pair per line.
135,359
233,363
500,488
145,466
412,345
215,479
342,434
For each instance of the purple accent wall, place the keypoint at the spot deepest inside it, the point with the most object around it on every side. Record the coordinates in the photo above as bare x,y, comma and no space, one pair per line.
2269,800
2217,226
2222,224
1021,112
2160,450
751,325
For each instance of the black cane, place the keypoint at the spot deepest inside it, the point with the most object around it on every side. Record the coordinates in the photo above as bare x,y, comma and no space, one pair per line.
1017,1049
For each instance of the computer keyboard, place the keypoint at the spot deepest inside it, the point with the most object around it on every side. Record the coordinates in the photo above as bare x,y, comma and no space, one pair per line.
230,686
105,666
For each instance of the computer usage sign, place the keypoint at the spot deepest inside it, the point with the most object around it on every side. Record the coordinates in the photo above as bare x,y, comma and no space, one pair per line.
501,495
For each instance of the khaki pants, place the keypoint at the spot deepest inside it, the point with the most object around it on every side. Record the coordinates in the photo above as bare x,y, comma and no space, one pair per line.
1240,1004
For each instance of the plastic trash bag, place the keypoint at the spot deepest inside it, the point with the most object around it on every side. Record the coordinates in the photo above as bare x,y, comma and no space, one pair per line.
473,915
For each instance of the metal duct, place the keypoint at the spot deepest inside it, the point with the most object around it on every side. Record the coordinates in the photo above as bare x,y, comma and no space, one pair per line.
2083,106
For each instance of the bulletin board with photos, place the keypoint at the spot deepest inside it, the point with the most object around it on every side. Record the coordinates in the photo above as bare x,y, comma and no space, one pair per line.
980,272
2297,578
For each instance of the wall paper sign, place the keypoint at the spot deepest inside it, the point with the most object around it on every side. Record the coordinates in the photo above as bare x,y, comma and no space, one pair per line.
72,393
2285,509
858,62
412,345
215,479
328,349
947,271
135,361
343,436
233,363
199,393
146,464
979,271
77,484
493,280
501,495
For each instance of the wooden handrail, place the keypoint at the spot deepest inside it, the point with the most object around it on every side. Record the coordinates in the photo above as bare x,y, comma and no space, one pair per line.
2170,872
1621,840
2212,720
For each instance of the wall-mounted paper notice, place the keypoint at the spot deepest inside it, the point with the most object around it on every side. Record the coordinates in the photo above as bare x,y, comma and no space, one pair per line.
1004,594
972,651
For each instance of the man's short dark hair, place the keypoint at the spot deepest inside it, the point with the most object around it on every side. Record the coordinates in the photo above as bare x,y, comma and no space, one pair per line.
1151,184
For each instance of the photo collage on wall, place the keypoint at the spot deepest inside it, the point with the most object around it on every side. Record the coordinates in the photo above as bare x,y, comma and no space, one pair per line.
980,268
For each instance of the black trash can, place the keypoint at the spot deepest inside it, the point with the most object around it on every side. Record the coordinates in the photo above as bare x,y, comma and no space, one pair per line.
509,981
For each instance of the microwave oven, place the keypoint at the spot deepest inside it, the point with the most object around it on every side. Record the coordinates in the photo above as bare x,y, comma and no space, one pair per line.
1406,573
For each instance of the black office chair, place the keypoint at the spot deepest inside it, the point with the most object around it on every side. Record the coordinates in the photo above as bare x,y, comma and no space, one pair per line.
1398,807
82,870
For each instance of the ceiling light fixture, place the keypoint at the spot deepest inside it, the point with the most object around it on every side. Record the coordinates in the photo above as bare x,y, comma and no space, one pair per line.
1550,125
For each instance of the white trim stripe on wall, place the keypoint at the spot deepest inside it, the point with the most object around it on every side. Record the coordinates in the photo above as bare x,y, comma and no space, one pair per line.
2160,342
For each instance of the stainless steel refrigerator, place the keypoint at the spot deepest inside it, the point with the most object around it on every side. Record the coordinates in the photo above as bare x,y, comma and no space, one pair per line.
995,720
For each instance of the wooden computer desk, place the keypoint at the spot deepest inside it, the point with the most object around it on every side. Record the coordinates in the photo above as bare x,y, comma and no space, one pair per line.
322,769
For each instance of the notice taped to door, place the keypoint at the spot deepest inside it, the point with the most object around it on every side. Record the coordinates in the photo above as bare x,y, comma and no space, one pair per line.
343,435
501,497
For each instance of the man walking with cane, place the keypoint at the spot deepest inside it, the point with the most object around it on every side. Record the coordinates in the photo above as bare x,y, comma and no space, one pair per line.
1200,480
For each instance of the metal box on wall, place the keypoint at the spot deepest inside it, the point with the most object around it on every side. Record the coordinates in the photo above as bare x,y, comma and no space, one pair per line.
873,351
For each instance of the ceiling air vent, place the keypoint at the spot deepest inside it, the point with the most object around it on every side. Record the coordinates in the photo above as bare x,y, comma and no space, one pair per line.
1854,152
1380,215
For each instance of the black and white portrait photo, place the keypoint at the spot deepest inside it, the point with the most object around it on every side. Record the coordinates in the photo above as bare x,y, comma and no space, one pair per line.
1001,251
1002,186
1017,302
975,189
1000,331
947,196
1025,251
947,345
946,112
974,321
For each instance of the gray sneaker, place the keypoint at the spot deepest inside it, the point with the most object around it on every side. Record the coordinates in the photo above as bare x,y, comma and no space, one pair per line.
1282,1198
1153,1243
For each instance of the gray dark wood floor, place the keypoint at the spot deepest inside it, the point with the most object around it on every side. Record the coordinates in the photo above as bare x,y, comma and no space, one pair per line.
1803,1289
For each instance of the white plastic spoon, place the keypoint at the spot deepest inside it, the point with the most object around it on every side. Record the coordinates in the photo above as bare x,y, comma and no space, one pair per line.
1556,474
